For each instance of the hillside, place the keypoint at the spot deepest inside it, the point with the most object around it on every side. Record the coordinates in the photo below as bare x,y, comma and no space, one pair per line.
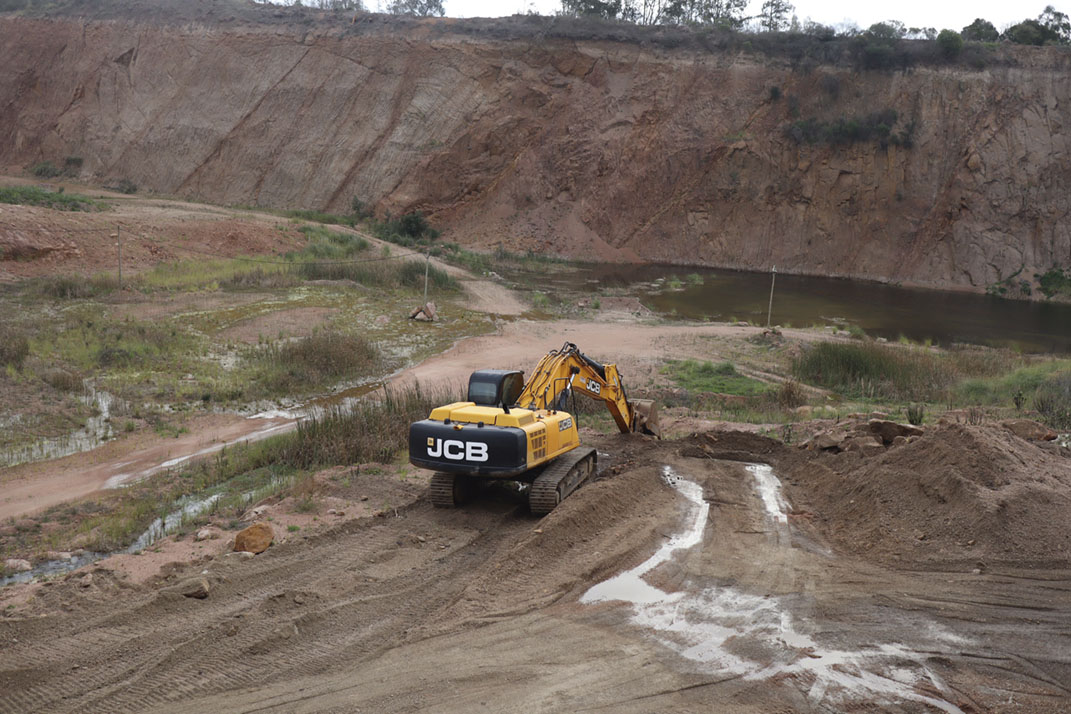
624,146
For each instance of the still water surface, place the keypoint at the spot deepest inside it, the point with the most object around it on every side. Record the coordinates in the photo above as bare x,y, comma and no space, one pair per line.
942,317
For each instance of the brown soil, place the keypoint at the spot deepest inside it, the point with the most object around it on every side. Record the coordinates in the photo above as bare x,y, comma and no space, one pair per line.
478,609
297,322
40,241
960,496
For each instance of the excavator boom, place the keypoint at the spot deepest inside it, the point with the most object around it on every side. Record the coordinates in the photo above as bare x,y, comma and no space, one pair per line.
560,371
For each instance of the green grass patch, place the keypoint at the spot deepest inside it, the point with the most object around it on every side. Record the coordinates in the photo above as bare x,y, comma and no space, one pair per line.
1001,390
58,200
719,378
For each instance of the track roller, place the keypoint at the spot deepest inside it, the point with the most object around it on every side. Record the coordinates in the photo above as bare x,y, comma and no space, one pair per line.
560,479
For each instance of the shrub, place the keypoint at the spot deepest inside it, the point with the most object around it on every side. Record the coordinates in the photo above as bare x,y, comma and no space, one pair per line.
45,169
1054,282
316,360
76,287
14,347
848,130
951,43
915,414
126,186
1053,401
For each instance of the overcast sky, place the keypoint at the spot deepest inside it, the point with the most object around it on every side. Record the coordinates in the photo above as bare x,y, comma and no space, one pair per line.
913,13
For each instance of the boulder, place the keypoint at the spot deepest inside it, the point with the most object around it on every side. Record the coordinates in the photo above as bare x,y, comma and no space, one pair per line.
206,534
887,431
832,439
17,565
1029,430
192,587
254,539
866,444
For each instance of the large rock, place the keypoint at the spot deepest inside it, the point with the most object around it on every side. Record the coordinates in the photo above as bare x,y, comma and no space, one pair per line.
866,444
887,431
1029,430
192,587
254,539
824,440
17,565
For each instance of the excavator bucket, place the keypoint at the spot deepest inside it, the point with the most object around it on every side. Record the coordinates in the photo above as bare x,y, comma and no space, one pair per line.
646,411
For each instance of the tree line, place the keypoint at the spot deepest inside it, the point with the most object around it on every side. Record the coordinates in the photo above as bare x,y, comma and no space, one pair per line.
1051,27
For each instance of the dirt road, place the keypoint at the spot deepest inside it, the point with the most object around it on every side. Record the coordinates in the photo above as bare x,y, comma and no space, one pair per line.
743,606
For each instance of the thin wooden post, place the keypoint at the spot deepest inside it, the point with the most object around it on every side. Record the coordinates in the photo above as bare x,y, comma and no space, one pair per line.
427,265
769,310
119,248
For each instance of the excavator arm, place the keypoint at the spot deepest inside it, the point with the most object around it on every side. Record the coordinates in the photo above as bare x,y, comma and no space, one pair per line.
568,368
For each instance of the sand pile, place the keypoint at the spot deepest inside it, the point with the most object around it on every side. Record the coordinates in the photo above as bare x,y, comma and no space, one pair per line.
974,496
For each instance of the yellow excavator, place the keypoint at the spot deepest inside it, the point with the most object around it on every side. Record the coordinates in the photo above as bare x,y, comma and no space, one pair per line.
510,429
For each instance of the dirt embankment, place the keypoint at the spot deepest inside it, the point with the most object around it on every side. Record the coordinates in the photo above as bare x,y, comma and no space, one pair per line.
958,496
613,150
423,609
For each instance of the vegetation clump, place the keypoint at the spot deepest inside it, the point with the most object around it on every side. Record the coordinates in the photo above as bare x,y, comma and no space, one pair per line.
314,361
58,200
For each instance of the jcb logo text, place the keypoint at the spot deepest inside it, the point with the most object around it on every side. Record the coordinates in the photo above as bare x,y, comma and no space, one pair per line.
457,450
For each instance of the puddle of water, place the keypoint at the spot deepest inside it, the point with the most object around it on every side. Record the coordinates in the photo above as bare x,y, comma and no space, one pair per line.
630,585
770,492
53,567
96,431
710,626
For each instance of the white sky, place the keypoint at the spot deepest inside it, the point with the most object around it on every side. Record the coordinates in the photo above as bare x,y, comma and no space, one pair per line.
913,13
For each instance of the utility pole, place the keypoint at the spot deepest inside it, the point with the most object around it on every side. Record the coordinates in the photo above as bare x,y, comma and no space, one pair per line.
119,248
769,310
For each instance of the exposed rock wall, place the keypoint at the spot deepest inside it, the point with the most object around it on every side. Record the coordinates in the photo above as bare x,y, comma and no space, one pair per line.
603,150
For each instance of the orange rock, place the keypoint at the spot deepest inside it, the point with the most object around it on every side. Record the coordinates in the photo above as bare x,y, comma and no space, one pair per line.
254,539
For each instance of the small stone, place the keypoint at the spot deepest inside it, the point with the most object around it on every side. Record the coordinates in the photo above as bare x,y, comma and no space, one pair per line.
241,555
919,535
332,512
976,571
205,534
86,580
364,498
18,565
254,539
340,513
58,555
422,539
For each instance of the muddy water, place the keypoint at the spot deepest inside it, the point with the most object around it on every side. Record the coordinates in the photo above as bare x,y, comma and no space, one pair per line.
97,430
942,317
704,625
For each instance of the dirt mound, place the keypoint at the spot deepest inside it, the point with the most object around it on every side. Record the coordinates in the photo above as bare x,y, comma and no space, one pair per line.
972,496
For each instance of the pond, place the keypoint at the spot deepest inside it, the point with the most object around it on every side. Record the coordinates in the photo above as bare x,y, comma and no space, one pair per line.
939,316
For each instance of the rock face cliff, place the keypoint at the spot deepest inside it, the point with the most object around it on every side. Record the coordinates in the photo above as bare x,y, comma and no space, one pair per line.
595,149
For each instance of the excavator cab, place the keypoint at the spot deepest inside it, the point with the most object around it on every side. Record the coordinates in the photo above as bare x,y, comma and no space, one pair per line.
496,388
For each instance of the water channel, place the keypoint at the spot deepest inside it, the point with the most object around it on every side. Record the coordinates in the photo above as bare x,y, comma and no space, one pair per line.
940,316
